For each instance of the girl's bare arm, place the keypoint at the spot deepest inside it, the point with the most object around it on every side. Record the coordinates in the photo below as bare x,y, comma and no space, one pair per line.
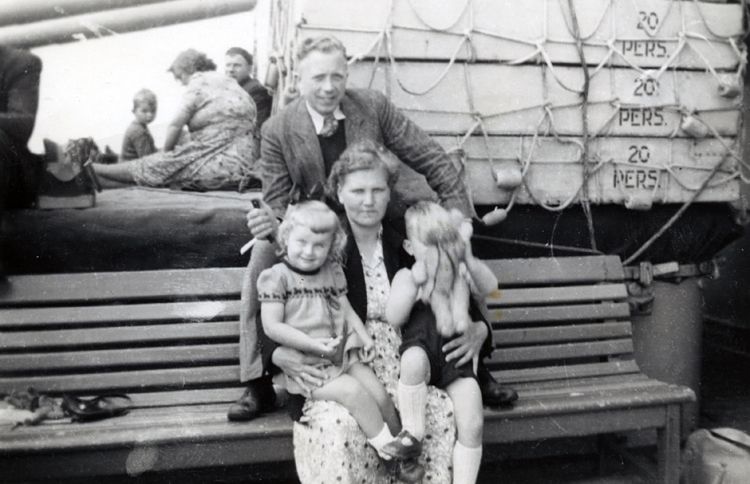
401,300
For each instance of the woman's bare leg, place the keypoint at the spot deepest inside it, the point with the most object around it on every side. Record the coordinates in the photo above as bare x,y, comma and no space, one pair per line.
118,172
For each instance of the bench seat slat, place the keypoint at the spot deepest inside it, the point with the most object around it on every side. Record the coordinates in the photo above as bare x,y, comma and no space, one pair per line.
122,286
556,334
209,423
134,313
74,338
557,295
575,312
130,357
554,373
225,375
548,270
541,353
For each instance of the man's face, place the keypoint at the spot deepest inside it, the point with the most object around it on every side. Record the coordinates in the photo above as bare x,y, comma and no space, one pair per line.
322,80
236,66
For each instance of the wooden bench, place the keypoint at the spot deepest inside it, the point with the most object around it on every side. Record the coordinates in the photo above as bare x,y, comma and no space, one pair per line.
169,339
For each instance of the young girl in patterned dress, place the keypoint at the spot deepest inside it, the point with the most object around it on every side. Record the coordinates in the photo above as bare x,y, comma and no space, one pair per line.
304,306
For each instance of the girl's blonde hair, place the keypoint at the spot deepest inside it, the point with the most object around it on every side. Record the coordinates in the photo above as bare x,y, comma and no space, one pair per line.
317,217
438,230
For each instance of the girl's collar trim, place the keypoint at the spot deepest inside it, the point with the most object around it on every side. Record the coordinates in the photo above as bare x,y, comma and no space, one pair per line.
300,271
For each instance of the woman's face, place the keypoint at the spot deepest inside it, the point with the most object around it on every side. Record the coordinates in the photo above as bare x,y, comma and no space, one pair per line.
365,195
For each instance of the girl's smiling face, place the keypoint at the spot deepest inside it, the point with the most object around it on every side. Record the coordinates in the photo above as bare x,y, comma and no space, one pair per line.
307,250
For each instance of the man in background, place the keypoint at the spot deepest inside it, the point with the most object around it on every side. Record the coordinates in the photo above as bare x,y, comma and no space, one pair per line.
238,64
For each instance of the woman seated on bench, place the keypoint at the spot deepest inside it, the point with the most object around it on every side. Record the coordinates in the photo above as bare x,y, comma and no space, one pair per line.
221,119
329,446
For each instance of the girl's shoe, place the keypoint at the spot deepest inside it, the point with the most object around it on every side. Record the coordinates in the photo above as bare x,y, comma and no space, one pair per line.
404,446
409,470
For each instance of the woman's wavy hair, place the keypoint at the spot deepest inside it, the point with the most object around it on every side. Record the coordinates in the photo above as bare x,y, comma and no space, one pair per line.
362,155
191,61
317,217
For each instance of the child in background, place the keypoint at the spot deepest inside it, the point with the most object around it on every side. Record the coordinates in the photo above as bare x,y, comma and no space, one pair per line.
138,141
443,276
304,306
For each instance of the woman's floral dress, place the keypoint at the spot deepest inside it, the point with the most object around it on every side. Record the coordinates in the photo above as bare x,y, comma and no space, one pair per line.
219,153
329,446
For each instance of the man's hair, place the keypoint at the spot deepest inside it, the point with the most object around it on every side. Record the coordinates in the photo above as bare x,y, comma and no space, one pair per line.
323,43
360,156
242,52
144,96
320,219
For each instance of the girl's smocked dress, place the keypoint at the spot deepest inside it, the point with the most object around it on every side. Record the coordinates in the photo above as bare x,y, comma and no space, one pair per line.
329,446
312,305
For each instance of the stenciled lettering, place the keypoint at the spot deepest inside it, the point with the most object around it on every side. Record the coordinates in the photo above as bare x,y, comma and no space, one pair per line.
640,117
634,178
645,86
648,20
656,49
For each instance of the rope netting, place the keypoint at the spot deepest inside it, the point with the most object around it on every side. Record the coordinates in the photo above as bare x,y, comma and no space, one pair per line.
694,123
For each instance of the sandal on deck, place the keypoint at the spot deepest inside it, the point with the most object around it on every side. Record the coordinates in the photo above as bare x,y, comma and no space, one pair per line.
96,408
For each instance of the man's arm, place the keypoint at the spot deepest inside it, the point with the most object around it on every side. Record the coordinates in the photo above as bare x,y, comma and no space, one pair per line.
277,183
413,146
23,96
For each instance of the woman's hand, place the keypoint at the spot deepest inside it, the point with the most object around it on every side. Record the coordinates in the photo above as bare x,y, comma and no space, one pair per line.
466,346
261,222
300,367
367,351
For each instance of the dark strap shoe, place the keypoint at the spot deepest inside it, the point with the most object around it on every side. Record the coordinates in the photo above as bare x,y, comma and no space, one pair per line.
258,398
493,393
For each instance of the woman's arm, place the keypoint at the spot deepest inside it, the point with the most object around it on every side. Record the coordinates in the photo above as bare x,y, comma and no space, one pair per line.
175,128
272,316
401,300
301,367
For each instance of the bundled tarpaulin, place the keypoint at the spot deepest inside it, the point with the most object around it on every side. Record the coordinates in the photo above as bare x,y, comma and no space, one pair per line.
32,23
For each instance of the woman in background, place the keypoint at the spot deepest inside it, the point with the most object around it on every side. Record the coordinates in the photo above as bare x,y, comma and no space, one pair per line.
220,117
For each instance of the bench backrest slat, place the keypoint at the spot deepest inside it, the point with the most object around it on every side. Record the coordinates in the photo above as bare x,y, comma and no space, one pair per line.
133,313
121,286
119,358
559,313
123,335
580,332
568,270
562,317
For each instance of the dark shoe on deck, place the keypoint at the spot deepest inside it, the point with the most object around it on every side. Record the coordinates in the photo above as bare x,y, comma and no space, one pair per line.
403,446
259,397
493,393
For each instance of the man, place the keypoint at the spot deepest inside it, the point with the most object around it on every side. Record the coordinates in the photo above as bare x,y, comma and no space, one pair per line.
299,146
20,170
238,64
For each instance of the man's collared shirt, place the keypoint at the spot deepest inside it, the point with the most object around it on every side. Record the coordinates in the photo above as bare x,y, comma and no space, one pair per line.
318,119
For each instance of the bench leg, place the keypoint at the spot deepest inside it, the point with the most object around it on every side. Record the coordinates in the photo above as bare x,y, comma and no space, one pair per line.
668,442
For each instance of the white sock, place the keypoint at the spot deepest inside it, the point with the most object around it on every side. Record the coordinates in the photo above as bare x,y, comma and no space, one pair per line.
412,400
466,462
383,437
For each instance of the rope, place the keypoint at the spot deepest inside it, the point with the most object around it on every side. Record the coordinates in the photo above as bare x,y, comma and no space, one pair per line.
693,37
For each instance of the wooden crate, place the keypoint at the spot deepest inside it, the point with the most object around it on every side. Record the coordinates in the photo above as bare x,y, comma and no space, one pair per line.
634,171
646,33
511,98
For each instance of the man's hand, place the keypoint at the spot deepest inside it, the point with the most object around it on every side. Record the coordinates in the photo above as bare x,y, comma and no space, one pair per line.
300,367
261,222
466,346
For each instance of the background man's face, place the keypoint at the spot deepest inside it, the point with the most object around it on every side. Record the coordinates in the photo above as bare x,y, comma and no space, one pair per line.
322,80
237,67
